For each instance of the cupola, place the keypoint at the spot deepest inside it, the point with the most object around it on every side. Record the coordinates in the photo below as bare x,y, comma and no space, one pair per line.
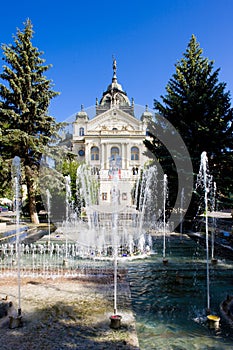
82,115
114,96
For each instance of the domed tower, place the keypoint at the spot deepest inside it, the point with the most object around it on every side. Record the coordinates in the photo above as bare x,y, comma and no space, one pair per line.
114,97
112,138
146,119
80,130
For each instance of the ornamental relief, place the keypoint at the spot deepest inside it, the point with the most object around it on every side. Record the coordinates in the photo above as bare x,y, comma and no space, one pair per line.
116,127
107,121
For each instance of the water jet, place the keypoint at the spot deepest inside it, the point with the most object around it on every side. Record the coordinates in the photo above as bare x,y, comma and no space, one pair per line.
17,321
205,180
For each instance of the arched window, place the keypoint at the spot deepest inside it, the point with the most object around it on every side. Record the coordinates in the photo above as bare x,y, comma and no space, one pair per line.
81,131
134,153
114,153
94,153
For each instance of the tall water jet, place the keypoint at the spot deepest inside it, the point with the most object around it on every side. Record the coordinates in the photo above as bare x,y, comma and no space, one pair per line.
114,166
213,205
48,197
165,260
205,179
68,198
16,178
148,200
115,201
181,211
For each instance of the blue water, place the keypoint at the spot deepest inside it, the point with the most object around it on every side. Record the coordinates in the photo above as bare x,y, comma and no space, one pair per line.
169,301
12,234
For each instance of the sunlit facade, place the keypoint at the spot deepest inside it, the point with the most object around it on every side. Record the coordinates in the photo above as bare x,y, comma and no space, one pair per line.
113,138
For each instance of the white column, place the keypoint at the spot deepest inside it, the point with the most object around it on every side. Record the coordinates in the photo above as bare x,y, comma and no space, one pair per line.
123,155
128,146
87,153
102,155
106,151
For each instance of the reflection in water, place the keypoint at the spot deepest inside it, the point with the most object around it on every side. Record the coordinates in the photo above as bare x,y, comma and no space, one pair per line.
169,301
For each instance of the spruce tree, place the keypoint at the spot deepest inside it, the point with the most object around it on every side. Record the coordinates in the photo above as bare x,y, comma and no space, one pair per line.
198,106
25,94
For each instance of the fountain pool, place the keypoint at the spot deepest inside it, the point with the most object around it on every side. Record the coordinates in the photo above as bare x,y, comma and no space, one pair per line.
169,301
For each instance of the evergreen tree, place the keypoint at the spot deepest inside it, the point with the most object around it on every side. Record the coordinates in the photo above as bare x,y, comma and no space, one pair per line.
25,95
199,108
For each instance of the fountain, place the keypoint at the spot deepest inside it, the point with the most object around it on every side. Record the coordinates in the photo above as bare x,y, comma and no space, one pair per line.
48,197
17,321
171,313
213,205
165,260
103,237
181,211
67,206
205,180
102,234
96,229
115,318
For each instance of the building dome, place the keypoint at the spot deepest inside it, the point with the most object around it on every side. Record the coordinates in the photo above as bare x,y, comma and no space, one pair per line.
112,142
146,114
115,86
82,114
114,95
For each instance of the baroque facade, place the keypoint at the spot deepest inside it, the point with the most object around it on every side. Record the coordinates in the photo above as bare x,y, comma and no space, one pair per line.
113,138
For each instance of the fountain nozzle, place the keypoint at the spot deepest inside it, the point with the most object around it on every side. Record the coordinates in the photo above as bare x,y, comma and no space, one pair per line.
213,321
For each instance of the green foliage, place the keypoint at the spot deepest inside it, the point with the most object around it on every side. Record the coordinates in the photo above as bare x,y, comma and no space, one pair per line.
53,181
5,168
198,106
69,167
158,131
25,95
87,186
25,98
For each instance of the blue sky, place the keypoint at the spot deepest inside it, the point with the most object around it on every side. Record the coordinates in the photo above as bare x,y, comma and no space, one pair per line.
146,37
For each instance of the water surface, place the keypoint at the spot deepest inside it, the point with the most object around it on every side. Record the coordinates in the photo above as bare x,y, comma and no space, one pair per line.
170,300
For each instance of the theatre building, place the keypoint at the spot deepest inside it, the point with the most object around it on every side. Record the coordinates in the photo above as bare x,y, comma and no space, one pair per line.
112,141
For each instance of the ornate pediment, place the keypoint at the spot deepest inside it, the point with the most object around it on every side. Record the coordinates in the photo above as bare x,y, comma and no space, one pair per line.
114,119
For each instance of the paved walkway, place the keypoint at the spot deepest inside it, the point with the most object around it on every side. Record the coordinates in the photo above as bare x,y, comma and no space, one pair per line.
65,313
